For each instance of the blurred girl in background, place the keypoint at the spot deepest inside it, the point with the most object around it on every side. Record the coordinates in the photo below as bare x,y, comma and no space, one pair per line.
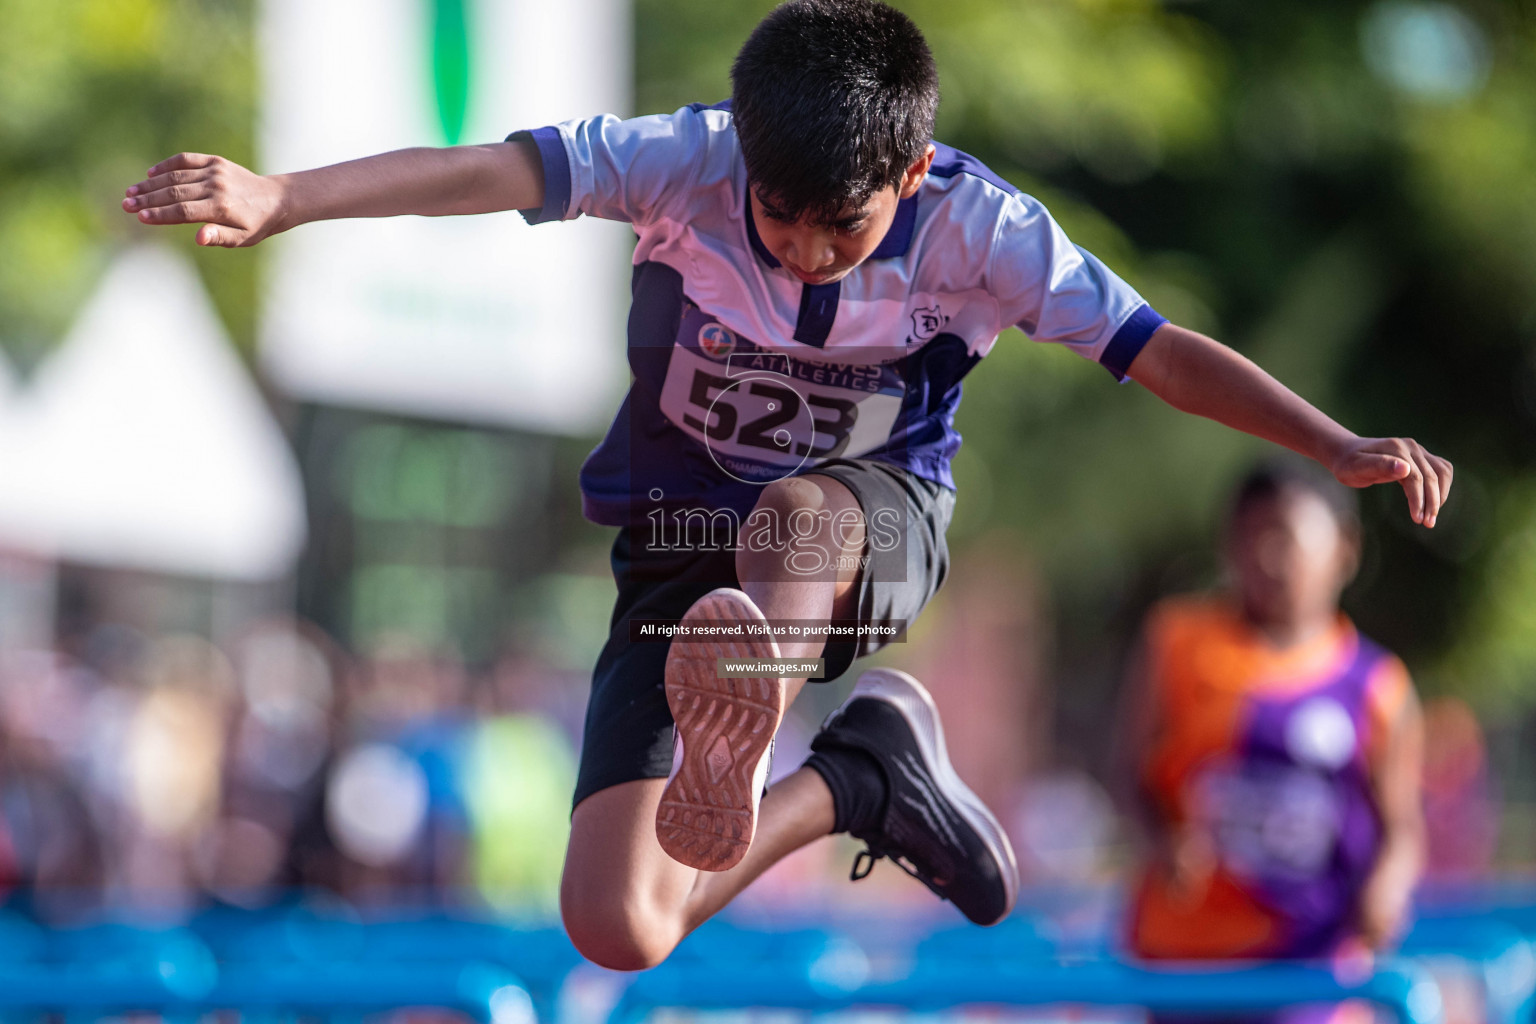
1277,751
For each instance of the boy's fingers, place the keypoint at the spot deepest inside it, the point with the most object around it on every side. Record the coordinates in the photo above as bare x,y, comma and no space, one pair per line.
1445,472
1437,472
159,181
190,192
1422,500
1377,468
1413,487
1381,467
179,213
1431,485
179,162
1425,478
213,234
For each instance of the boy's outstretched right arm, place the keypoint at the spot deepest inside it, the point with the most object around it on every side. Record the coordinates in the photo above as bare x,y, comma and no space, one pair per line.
238,207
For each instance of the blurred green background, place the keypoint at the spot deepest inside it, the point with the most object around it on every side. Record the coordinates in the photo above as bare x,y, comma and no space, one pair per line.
1344,191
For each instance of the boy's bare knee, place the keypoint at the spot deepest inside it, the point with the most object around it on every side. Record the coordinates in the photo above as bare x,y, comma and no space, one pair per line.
790,495
620,937
798,532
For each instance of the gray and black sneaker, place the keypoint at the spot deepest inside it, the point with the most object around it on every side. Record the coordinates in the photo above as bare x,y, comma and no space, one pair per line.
932,826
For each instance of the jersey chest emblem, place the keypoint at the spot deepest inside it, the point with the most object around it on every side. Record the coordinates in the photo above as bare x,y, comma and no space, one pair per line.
927,321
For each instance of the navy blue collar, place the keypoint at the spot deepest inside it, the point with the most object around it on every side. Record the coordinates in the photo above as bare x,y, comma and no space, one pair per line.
897,240
898,237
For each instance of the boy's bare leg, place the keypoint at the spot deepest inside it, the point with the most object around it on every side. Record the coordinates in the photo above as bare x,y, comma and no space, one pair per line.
771,578
625,902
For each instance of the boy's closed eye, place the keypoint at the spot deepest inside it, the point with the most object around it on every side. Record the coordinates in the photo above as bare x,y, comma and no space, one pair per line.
774,213
851,225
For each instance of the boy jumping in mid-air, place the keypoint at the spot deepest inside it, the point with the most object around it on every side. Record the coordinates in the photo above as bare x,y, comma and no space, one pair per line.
813,277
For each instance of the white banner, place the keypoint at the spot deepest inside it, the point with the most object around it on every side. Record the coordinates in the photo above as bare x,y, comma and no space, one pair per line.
473,319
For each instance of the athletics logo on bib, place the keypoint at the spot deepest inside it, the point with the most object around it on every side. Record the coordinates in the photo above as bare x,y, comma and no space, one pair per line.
716,341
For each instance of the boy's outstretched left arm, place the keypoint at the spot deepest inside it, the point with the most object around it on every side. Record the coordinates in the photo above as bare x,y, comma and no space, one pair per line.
1196,374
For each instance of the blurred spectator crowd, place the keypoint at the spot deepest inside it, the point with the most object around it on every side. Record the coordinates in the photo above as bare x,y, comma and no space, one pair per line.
160,774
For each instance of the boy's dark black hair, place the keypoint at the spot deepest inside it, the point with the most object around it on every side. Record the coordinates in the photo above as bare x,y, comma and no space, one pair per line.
833,101
1273,477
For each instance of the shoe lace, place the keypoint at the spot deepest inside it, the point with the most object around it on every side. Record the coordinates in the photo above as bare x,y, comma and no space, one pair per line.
864,863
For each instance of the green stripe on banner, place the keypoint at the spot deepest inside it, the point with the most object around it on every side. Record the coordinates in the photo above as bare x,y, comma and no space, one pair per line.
450,65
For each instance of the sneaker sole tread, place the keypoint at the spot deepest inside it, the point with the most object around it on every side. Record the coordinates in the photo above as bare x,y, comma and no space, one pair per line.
708,812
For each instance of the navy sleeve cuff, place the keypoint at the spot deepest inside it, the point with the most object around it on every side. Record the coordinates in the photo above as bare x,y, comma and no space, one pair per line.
557,174
1130,339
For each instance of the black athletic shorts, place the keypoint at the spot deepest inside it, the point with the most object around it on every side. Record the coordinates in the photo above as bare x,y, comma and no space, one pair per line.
628,732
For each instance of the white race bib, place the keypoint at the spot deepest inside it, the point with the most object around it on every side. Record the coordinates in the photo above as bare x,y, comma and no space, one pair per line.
764,415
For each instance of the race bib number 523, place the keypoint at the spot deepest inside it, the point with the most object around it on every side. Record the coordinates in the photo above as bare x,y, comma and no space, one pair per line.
762,414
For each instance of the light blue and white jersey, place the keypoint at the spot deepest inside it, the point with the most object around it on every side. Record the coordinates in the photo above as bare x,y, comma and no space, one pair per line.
744,374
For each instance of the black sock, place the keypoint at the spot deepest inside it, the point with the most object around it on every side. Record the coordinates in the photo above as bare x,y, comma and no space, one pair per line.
858,787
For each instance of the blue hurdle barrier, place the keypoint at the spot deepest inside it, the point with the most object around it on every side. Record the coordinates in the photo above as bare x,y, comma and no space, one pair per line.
334,939
1015,938
114,969
483,992
100,969
1403,989
83,989
21,939
1496,952
334,962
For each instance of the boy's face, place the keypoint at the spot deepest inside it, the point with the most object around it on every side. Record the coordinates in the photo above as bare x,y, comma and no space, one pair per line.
820,253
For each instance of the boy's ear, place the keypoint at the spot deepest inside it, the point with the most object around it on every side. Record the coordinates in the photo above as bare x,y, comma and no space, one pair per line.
913,179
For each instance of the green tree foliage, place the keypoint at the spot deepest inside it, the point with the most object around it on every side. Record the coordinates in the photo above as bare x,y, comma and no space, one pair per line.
92,92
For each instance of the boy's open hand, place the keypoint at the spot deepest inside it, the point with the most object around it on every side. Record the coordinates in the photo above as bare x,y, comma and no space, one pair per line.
1426,478
235,206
